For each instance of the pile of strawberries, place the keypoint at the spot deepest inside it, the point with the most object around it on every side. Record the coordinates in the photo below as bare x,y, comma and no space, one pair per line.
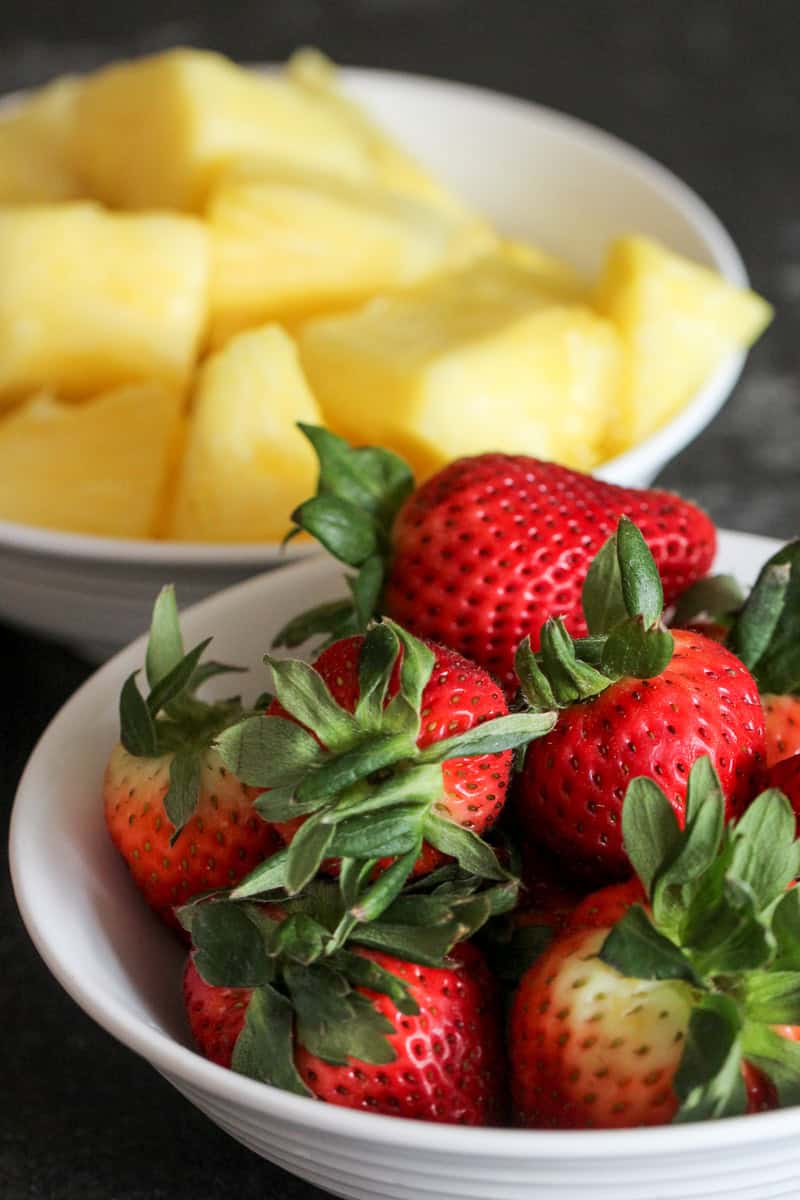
520,845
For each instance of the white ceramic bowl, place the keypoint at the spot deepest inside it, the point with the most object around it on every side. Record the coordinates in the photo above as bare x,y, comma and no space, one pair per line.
123,968
535,173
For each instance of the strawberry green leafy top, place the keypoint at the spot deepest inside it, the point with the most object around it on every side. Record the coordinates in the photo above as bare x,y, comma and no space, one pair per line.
764,629
172,719
622,604
723,923
366,790
304,976
360,492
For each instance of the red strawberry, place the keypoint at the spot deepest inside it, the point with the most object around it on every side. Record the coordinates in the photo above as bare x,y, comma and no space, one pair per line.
650,703
457,697
642,1010
403,755
450,1058
786,776
782,715
490,547
448,1063
181,820
573,783
485,550
221,842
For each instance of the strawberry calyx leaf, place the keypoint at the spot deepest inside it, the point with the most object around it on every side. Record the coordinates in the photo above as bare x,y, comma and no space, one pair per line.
622,602
360,490
365,789
723,923
709,1081
171,719
778,1058
622,581
304,974
264,1048
765,633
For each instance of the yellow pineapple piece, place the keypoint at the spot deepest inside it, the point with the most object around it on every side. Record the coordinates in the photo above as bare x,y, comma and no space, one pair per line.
396,168
551,273
679,322
36,159
90,299
156,132
480,359
100,467
293,244
246,465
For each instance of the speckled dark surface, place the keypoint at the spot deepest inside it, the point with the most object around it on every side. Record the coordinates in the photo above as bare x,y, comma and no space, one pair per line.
709,87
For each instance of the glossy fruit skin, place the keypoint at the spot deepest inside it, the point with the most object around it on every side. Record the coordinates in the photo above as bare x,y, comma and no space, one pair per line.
786,776
491,546
574,780
220,844
450,1064
762,1095
605,907
576,1061
458,696
782,725
591,1049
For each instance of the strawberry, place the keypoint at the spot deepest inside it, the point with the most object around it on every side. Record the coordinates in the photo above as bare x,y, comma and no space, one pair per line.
457,697
580,1055
687,1006
785,775
635,700
181,820
782,720
219,844
387,753
484,551
407,1034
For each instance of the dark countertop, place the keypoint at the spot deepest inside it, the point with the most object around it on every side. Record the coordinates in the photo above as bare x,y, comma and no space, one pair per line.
709,87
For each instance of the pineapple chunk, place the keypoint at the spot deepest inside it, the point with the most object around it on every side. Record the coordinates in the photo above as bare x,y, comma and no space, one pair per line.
481,359
551,273
295,244
156,132
396,169
99,467
90,299
678,321
246,465
36,147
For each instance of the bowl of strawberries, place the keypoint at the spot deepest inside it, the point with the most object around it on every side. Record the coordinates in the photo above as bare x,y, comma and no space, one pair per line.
482,883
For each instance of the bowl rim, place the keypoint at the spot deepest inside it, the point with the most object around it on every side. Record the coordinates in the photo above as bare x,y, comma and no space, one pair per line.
186,1066
693,417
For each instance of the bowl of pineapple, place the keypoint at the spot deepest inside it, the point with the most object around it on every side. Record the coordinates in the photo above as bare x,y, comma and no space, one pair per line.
195,256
